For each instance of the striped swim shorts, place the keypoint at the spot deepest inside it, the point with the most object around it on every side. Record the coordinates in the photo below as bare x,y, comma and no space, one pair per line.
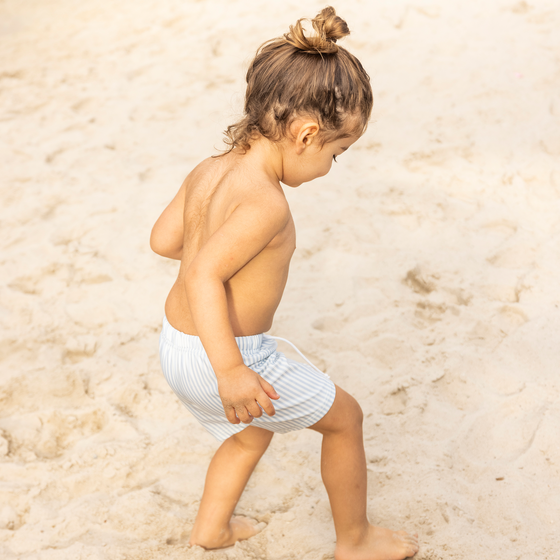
306,394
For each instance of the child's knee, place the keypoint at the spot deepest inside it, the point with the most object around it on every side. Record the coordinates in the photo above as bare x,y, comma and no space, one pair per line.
345,415
252,440
351,418
355,414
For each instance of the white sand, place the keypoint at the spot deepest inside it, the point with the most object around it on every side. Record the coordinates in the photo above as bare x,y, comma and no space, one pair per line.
425,281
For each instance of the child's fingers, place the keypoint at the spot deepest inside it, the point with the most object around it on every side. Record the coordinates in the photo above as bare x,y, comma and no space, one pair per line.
254,409
266,405
243,414
230,415
269,389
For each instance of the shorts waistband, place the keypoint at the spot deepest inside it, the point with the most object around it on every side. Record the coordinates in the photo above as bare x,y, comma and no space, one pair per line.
246,344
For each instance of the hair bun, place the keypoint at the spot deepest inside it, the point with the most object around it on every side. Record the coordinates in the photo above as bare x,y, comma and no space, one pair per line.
328,28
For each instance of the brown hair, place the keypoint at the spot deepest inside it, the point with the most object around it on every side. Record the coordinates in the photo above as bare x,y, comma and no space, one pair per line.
298,75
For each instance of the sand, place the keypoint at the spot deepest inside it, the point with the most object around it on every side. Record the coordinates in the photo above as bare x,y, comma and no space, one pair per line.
425,281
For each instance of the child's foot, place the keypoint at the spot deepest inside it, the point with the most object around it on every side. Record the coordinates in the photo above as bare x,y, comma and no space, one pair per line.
239,529
380,544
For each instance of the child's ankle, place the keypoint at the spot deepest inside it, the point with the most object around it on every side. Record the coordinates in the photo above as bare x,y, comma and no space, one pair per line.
211,539
355,535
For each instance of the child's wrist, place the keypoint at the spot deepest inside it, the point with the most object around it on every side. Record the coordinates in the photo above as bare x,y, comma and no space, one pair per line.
229,371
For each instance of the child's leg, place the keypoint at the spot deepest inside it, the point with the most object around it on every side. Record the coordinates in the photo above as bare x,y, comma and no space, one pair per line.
343,467
227,476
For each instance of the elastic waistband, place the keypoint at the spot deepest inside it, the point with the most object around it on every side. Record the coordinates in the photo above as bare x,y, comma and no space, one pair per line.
247,344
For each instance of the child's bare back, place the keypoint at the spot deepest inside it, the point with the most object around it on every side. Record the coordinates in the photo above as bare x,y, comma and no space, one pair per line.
229,197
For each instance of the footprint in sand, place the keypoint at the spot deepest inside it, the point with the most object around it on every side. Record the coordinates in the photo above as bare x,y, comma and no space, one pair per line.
544,454
395,402
61,431
505,432
55,276
533,350
49,434
521,255
9,519
80,347
388,351
455,386
429,313
509,318
419,281
502,284
91,314
25,285
35,390
502,226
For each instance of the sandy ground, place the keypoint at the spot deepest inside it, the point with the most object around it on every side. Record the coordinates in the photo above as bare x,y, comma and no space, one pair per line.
425,281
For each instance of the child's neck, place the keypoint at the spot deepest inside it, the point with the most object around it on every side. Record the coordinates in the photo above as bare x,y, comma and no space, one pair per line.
267,157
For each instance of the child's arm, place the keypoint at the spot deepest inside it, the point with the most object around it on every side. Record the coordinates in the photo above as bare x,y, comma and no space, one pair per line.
167,234
248,230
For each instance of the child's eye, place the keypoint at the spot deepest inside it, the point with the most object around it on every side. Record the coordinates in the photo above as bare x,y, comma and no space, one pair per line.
334,157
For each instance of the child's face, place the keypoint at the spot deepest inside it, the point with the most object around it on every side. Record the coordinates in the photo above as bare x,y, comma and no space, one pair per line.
314,160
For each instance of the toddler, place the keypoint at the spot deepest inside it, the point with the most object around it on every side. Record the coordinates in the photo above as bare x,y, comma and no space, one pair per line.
308,100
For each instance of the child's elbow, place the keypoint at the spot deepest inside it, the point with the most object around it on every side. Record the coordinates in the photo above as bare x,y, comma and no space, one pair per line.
156,245
160,246
198,275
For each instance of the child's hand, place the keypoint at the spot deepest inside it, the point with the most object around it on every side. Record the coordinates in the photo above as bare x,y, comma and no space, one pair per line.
242,391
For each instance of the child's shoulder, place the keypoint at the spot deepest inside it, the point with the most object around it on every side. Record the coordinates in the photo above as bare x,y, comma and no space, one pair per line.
238,184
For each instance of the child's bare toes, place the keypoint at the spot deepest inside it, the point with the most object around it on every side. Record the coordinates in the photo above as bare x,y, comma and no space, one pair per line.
239,529
244,527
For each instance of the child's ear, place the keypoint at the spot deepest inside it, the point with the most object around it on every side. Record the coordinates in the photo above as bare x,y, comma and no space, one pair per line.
306,134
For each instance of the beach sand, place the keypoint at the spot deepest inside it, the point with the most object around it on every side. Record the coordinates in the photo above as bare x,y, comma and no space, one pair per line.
425,280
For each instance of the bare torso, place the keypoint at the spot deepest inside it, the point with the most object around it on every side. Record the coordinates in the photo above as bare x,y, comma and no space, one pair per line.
211,193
